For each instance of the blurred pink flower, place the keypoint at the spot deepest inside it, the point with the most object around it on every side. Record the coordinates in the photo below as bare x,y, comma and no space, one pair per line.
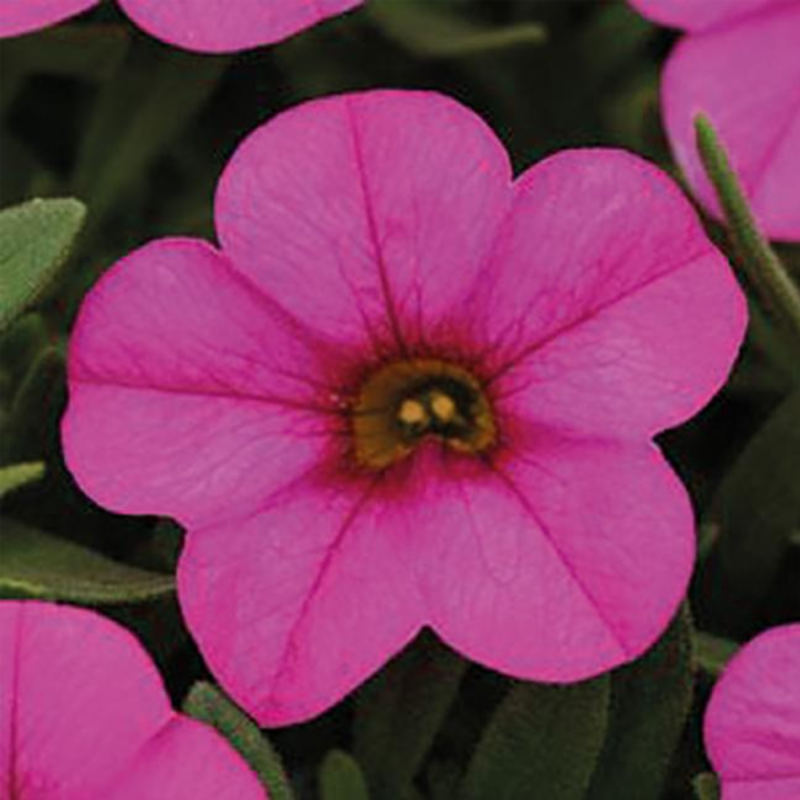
752,725
409,391
740,65
209,26
83,714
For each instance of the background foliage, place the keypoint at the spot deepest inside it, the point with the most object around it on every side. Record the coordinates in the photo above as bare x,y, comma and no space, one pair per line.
139,133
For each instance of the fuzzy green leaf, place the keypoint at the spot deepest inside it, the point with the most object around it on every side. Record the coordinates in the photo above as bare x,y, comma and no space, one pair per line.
37,565
18,475
547,737
208,704
35,239
340,778
650,700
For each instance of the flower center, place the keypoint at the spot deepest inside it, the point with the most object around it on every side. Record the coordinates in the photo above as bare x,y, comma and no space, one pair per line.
401,404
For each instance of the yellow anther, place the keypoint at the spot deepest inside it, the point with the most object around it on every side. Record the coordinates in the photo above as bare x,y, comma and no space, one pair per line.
443,407
412,412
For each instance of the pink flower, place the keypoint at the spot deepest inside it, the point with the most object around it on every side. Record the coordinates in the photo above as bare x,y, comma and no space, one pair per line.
210,26
83,714
752,726
409,391
739,65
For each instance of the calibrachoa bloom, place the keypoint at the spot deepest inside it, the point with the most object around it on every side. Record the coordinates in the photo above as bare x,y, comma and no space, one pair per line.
752,726
740,65
409,390
84,714
210,26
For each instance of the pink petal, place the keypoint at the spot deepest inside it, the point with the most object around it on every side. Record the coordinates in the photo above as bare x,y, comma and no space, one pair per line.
23,16
189,395
368,214
752,725
608,310
78,699
753,102
565,561
82,706
187,761
777,789
696,15
219,26
296,606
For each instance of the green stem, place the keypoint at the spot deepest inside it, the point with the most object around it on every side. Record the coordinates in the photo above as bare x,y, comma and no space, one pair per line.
757,259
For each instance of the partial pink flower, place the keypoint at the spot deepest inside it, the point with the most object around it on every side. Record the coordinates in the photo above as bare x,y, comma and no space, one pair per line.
409,390
208,26
752,725
740,66
84,714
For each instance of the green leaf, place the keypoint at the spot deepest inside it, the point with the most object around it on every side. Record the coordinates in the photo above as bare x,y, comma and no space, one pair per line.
440,32
34,564
757,259
650,701
757,507
399,712
706,786
340,778
35,238
547,737
712,653
18,475
208,704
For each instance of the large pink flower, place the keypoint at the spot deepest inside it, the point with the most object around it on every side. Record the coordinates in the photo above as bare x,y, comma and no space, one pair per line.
83,715
408,390
211,26
740,65
752,726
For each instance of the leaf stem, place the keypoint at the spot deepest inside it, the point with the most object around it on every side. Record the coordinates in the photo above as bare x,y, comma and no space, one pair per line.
757,260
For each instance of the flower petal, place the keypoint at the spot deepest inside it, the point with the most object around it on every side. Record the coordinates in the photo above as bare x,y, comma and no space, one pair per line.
212,26
695,15
187,760
753,102
368,214
22,16
78,698
299,604
189,395
752,725
608,310
560,563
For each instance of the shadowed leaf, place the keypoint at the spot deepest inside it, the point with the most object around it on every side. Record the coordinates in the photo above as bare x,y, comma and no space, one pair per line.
650,700
36,565
547,737
400,711
757,507
441,32
340,778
